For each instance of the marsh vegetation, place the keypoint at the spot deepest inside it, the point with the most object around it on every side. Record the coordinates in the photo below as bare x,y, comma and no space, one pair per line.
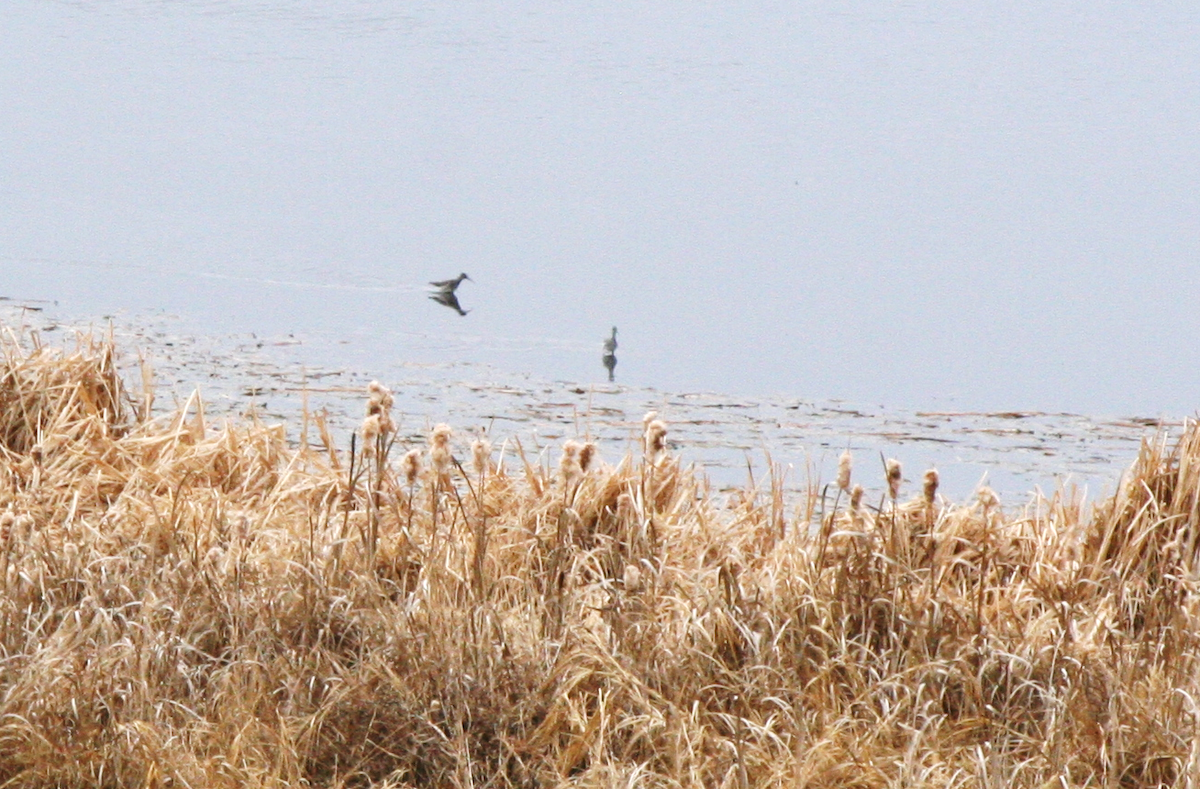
202,604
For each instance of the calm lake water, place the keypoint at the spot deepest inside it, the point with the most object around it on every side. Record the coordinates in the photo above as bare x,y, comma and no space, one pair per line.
895,209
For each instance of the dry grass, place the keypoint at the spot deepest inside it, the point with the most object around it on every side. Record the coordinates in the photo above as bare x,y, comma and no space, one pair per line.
186,604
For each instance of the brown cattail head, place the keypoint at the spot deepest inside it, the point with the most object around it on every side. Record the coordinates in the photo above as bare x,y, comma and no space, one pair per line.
856,497
380,395
987,497
931,486
656,437
894,477
568,466
481,452
379,404
845,462
370,430
410,466
439,450
587,453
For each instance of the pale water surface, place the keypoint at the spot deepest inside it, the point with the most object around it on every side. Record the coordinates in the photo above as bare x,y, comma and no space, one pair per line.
790,210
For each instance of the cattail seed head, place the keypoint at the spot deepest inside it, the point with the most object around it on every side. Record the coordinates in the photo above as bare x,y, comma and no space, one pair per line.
481,451
378,393
656,435
568,466
439,450
987,497
845,463
894,477
587,453
856,497
370,430
931,486
410,466
379,405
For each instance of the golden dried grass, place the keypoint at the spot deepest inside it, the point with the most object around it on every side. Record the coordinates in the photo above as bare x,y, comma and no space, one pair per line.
187,604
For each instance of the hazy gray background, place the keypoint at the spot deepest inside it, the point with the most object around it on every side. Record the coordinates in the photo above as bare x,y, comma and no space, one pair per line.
937,204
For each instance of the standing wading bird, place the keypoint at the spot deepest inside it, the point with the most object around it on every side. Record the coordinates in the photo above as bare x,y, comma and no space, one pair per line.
450,285
610,345
443,293
610,355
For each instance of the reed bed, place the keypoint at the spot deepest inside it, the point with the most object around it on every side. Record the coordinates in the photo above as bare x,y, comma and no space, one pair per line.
192,604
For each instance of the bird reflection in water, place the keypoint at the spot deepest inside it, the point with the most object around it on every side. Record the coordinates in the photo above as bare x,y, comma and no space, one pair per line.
610,355
444,293
448,299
